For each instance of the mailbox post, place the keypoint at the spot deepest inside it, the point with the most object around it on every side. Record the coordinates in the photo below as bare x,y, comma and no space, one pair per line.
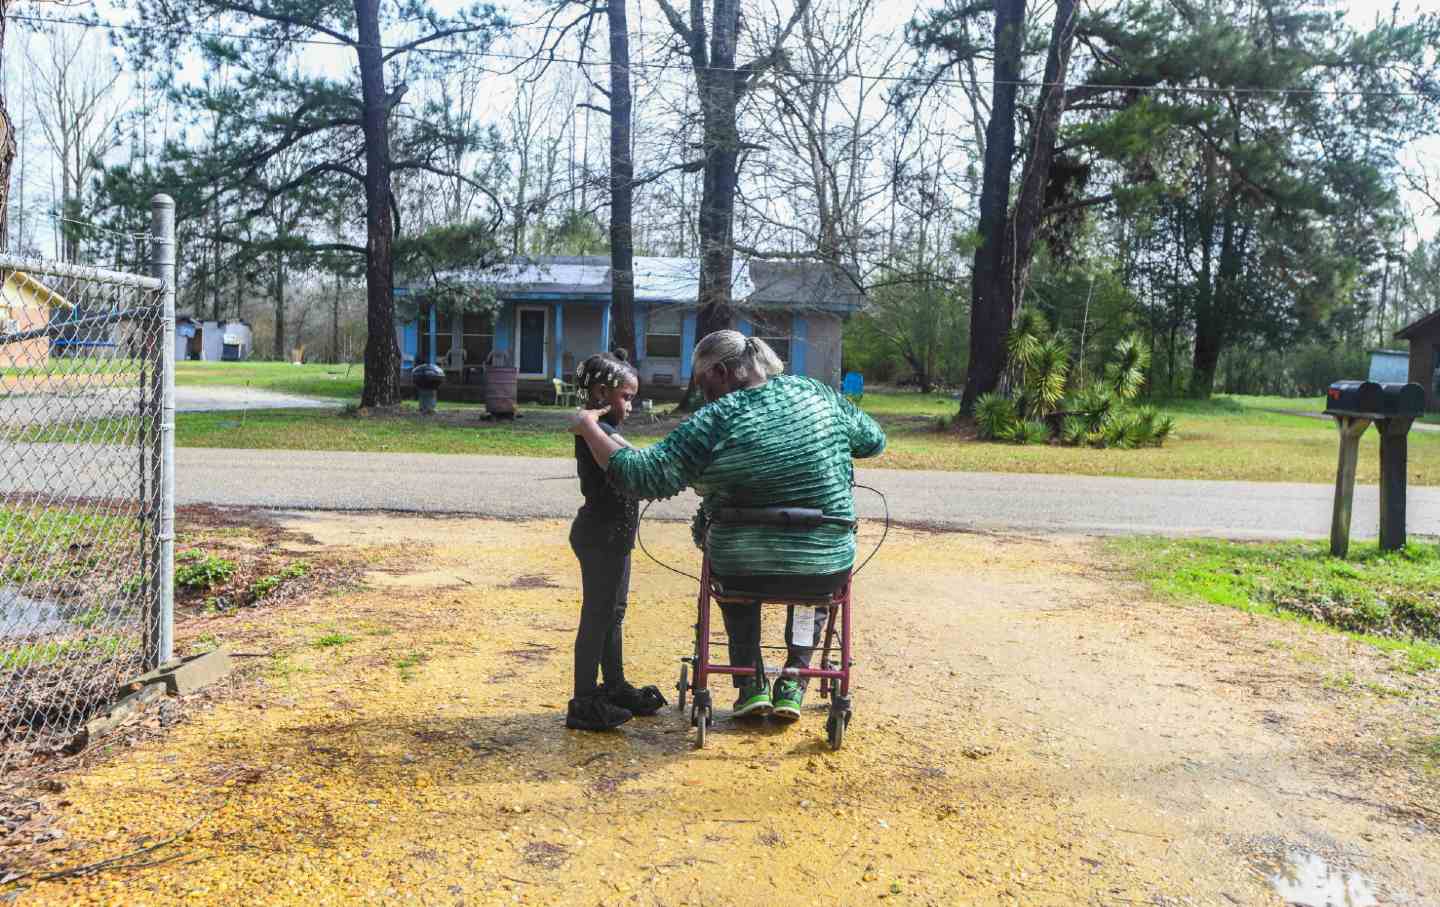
1393,408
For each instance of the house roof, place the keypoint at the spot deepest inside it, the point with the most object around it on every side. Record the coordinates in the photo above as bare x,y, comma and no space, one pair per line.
669,280
1418,327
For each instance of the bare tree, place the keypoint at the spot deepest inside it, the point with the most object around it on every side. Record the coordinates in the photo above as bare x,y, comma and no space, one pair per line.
7,146
721,83
74,77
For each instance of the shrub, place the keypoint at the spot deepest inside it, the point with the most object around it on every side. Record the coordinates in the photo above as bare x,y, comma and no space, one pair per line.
995,417
1031,431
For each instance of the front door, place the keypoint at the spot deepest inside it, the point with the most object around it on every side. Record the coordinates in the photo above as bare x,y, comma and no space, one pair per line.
533,342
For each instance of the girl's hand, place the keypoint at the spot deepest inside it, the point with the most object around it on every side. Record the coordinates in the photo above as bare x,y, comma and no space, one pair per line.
584,417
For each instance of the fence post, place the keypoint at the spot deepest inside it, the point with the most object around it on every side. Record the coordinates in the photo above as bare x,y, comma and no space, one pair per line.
162,266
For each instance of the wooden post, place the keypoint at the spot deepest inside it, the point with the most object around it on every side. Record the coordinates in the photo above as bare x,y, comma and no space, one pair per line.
1394,449
1351,428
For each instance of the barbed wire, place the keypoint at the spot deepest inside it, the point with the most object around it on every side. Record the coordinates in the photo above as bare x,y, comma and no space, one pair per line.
803,76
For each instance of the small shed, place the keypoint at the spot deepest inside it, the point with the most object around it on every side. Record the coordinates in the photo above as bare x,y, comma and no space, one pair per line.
1424,359
211,341
1390,366
25,306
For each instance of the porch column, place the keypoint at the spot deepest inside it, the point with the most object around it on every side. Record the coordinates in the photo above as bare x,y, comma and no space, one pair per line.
687,345
641,316
559,340
799,328
605,328
503,318
430,352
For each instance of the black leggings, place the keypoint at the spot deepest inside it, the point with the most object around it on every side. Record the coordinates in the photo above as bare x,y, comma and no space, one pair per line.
742,618
599,644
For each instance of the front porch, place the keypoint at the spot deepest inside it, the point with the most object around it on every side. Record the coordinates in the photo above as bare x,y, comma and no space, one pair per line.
547,338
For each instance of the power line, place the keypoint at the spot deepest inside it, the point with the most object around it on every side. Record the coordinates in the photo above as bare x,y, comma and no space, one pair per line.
672,67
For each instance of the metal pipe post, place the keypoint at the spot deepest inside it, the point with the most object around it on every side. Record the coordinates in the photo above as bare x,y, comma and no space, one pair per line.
162,266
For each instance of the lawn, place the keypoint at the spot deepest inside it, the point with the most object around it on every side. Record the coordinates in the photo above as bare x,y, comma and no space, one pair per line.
311,380
1247,438
1388,599
1224,438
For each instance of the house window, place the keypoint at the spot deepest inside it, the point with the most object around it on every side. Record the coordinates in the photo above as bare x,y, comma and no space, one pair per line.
774,328
477,335
662,334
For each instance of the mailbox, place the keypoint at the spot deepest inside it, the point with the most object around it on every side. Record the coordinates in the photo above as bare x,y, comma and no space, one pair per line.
1375,400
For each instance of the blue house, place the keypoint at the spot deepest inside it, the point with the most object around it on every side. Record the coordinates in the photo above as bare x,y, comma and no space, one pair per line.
555,311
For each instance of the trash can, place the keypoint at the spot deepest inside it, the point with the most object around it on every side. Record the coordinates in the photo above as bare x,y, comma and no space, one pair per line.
502,382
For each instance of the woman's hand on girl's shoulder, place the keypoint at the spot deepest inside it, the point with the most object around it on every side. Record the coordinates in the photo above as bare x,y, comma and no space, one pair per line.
583,417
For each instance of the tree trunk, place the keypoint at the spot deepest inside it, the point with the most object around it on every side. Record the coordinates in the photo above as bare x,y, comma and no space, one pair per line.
989,297
280,308
7,149
335,323
382,352
622,175
719,98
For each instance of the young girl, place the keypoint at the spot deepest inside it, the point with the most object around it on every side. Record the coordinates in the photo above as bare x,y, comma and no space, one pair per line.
602,537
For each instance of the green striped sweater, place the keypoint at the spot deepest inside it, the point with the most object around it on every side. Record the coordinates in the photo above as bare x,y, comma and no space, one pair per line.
786,443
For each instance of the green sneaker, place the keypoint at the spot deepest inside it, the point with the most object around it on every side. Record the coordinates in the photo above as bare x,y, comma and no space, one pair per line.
754,700
788,696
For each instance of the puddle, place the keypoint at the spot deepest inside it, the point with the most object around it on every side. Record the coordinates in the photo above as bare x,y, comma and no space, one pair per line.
1306,880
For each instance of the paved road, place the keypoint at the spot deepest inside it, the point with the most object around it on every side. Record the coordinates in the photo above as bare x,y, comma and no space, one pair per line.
20,410
523,487
191,399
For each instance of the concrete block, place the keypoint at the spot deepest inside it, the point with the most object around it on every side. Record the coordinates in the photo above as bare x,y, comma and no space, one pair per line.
186,675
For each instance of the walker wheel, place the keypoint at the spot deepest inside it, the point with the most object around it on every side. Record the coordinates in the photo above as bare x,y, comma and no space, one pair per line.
702,724
835,727
682,689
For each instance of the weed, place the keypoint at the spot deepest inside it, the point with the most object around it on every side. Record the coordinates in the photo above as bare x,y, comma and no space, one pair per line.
270,582
408,662
203,572
206,642
333,640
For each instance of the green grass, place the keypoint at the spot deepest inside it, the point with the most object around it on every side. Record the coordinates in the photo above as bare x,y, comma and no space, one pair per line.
1388,599
338,381
49,544
1226,438
333,640
35,655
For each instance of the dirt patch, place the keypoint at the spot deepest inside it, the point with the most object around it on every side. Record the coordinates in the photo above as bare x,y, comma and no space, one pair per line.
1030,728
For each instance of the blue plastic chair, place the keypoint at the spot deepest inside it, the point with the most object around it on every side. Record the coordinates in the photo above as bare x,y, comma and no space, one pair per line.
853,385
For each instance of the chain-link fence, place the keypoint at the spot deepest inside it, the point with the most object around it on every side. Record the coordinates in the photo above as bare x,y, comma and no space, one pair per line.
86,408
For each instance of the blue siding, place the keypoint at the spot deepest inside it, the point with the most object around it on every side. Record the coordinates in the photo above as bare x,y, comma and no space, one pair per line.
687,345
745,327
797,345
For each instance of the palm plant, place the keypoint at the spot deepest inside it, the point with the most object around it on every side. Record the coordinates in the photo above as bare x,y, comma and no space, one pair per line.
1125,374
995,416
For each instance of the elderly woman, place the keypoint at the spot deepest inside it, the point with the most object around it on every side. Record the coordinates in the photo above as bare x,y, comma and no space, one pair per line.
764,439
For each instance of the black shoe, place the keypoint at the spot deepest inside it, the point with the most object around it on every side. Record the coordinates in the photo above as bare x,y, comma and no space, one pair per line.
643,701
594,713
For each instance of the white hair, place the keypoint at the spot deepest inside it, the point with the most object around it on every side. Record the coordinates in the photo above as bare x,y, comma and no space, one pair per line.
743,356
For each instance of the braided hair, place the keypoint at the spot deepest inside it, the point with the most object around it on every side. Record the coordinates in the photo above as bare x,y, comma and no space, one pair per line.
605,371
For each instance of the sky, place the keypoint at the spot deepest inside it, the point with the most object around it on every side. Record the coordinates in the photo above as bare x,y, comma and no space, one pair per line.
647,22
